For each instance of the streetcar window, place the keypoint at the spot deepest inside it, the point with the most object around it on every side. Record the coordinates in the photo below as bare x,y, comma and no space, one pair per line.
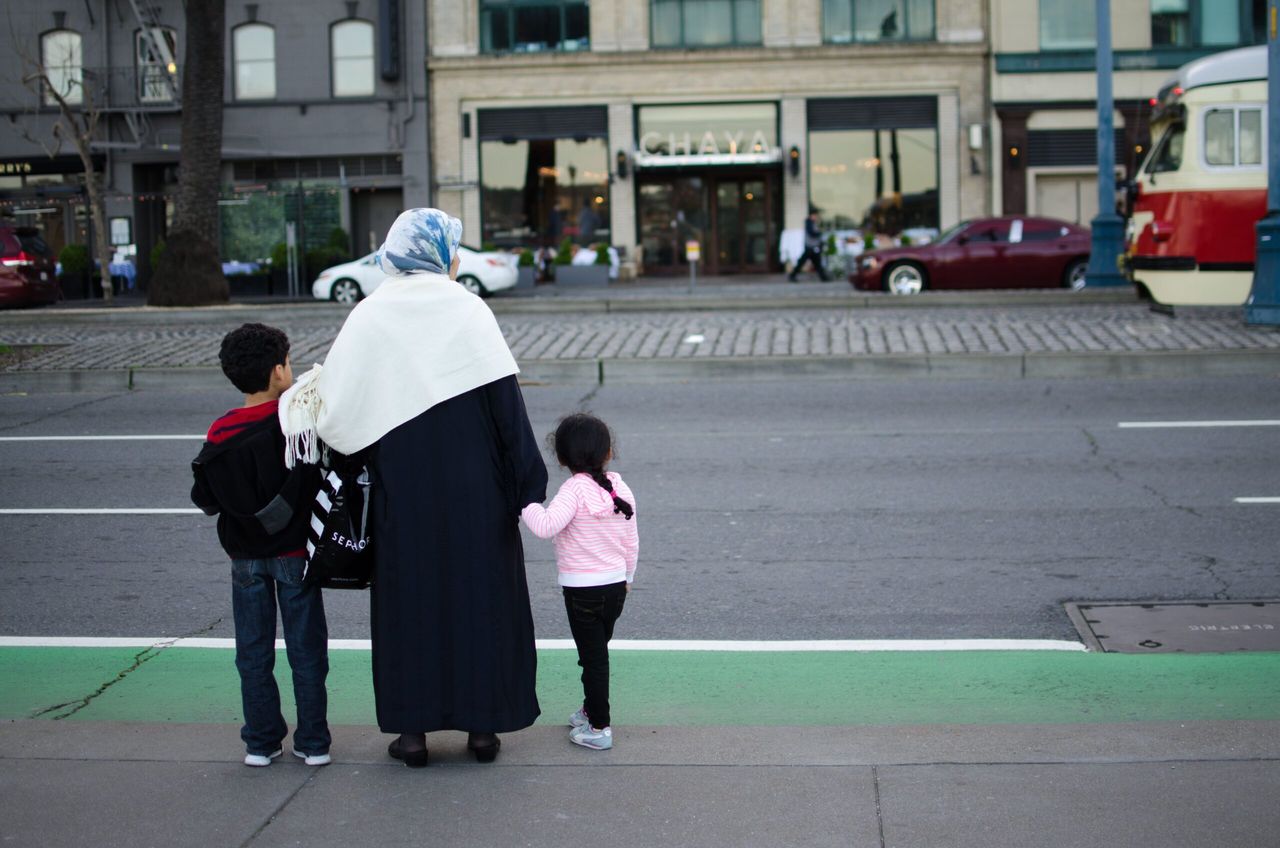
1220,137
1250,136
1168,153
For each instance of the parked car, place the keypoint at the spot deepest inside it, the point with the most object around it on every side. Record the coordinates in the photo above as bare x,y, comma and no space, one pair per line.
479,273
27,268
987,253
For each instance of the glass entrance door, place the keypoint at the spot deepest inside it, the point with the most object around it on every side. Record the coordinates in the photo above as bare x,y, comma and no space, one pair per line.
732,217
744,225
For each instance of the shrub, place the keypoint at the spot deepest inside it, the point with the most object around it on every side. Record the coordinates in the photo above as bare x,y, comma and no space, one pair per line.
904,240
280,256
564,256
526,258
488,247
602,254
869,241
829,249
319,258
339,240
75,259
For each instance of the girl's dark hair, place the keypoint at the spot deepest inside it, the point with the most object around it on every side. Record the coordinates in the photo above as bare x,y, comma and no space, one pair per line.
249,353
582,443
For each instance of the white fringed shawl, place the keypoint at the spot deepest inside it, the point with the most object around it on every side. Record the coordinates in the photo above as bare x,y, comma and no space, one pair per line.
418,340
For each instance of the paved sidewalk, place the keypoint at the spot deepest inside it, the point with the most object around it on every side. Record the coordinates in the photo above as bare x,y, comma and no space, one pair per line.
1138,785
586,335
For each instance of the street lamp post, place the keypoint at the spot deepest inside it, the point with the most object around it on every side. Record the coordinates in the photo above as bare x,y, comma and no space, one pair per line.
1263,305
1107,227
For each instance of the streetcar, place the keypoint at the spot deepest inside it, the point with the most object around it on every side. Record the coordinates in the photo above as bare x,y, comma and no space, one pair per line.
1203,187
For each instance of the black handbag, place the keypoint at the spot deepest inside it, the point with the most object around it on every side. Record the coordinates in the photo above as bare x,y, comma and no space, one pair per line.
339,547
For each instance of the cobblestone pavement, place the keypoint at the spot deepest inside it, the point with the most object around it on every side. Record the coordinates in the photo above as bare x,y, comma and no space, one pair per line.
164,339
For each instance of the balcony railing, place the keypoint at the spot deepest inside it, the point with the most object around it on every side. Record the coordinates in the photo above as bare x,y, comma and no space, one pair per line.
150,87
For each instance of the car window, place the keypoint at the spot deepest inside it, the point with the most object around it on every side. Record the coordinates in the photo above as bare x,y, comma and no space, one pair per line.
1042,231
950,235
9,244
32,243
993,231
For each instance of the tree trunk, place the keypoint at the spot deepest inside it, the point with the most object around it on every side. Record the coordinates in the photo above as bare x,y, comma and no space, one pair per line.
101,235
189,272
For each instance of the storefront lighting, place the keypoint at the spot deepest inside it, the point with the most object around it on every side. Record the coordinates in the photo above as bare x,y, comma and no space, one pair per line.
622,164
599,200
793,156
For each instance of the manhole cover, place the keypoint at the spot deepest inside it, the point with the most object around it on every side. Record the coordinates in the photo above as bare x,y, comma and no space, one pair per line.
1165,628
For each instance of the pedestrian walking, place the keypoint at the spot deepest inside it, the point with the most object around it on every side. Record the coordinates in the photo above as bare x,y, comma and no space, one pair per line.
592,520
421,383
812,248
263,516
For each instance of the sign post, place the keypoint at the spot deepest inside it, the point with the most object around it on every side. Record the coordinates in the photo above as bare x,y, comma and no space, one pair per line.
1263,305
291,254
692,252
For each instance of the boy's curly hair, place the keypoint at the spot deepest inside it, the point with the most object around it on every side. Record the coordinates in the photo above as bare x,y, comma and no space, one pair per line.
249,353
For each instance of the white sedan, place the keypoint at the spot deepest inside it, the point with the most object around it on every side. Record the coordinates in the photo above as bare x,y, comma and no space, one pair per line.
479,273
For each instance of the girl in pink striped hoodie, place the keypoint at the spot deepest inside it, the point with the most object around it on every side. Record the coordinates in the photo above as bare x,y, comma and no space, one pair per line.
592,520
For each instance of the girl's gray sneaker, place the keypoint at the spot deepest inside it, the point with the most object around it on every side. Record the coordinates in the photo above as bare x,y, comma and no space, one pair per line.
588,737
579,718
260,760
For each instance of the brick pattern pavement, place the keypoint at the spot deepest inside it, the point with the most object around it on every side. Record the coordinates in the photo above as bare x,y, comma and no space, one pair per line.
656,336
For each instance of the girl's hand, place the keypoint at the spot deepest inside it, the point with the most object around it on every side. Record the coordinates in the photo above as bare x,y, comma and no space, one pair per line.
628,588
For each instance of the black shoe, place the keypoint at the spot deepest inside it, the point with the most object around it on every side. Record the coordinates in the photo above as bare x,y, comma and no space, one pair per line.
411,758
484,745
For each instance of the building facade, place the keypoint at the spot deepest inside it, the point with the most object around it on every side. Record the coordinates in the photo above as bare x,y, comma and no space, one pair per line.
324,123
647,124
1044,88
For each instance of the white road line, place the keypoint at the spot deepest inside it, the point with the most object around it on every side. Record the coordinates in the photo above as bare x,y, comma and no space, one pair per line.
1162,425
1257,500
140,511
806,646
99,438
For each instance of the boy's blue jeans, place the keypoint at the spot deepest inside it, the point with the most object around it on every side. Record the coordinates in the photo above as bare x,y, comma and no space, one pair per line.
256,586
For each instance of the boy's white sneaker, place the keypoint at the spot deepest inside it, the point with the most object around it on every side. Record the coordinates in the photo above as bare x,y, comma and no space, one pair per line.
260,760
579,718
313,759
589,737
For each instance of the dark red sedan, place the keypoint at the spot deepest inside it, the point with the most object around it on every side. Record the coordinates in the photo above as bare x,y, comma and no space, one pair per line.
987,253
27,268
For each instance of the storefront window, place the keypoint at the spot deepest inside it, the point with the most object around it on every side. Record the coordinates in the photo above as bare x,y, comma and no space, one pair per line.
537,192
845,21
704,23
254,52
1064,27
530,26
351,48
881,181
63,66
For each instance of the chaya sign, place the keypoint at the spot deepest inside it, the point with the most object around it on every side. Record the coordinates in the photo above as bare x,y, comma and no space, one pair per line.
710,144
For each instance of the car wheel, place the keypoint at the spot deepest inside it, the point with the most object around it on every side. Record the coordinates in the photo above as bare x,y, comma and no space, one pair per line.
346,291
904,278
473,285
1074,277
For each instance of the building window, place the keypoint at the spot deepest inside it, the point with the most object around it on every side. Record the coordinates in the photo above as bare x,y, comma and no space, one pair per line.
1233,137
63,66
877,181
253,49
705,23
539,191
1066,25
845,21
351,47
157,63
1201,23
532,26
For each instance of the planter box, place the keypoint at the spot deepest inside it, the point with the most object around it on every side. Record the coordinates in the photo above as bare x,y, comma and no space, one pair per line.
582,275
526,277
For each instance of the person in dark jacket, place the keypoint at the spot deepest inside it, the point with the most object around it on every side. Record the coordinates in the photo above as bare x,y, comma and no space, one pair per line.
421,379
264,514
812,248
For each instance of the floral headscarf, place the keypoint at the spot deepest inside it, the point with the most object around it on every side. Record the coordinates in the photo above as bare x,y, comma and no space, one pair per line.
420,240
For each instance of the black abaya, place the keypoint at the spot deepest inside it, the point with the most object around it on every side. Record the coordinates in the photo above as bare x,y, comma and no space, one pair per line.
452,629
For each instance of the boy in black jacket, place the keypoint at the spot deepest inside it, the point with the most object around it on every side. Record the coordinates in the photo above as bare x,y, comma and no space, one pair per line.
264,511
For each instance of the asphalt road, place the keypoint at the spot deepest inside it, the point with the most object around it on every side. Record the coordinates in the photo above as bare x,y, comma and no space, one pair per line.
768,510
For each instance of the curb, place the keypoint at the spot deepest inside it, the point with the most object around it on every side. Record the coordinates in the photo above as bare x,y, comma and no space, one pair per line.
558,372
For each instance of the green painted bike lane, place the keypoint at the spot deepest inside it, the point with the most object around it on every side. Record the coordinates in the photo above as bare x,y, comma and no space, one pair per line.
688,688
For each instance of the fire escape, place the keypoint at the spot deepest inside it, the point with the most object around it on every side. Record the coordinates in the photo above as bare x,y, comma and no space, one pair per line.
149,86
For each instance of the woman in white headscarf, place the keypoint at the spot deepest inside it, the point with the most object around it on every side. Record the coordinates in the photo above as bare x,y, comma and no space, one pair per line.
421,383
